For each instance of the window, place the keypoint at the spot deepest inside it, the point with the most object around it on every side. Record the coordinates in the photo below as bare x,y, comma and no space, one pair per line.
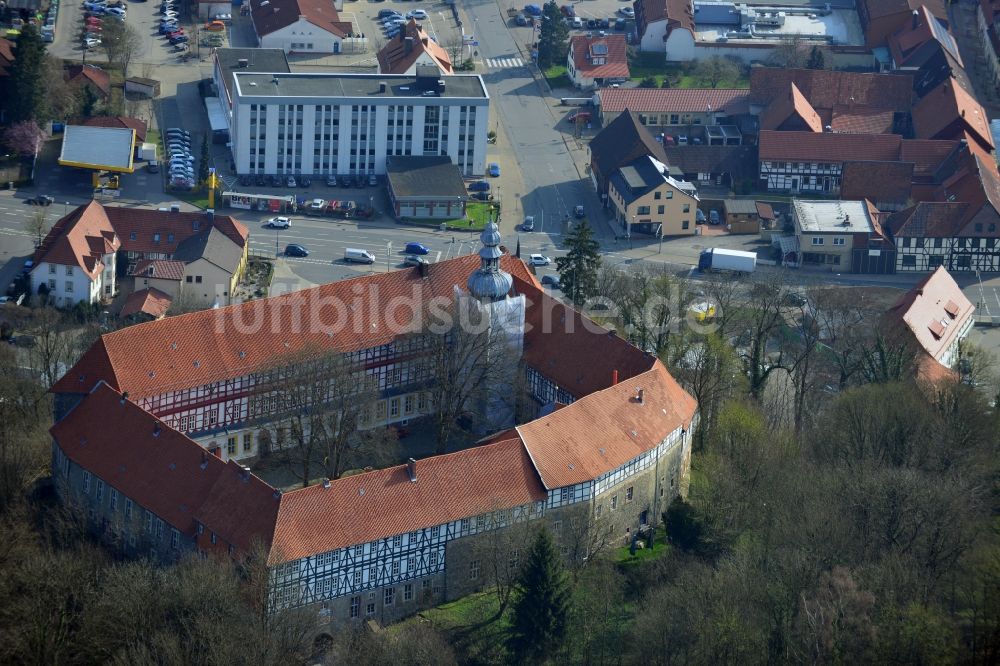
128,508
909,261
370,608
355,606
69,285
817,241
628,494
660,210
614,502
642,210
86,482
670,194
394,407
686,224
657,195
408,405
395,568
188,279
52,269
231,445
408,592
69,271
100,490
247,442
197,279
474,567
214,540
686,208
397,541
114,499
156,238
388,596
840,241
175,539
599,510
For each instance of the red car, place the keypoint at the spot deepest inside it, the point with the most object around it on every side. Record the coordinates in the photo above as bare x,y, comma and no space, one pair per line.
175,33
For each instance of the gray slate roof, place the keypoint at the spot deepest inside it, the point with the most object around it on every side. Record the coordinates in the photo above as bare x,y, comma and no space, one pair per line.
430,176
213,246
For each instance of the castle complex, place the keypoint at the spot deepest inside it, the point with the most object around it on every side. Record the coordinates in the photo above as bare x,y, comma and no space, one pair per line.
155,423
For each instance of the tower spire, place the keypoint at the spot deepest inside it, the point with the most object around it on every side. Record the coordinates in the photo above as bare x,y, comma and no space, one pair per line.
488,282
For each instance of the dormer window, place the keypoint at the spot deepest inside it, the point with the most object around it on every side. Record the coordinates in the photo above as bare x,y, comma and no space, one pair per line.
598,53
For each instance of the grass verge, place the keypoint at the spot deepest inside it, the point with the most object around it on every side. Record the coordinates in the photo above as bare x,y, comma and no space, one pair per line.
625,558
480,212
557,77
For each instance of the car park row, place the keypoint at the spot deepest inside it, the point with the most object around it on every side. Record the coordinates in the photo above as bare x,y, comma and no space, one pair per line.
180,164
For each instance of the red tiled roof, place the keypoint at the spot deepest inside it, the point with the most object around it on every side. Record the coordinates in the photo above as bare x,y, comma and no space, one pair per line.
80,239
923,310
882,182
150,301
604,430
826,89
383,503
162,269
242,509
116,121
862,120
782,108
89,73
394,58
828,147
166,473
765,211
273,15
677,13
673,100
917,32
146,223
210,345
926,155
934,114
615,62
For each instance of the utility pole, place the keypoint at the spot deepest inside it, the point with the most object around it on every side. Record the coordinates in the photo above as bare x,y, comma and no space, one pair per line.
660,248
388,255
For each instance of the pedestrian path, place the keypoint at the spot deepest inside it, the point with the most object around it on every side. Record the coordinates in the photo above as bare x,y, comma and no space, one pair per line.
503,63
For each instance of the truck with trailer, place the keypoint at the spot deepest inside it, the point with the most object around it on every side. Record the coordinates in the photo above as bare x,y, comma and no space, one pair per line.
732,261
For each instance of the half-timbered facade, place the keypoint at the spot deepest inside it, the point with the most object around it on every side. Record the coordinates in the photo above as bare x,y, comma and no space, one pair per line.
605,459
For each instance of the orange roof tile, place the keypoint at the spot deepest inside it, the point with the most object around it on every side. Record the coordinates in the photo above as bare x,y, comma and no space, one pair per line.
116,121
783,108
935,113
395,59
162,269
826,89
365,507
924,311
150,301
241,508
602,431
90,74
673,100
828,147
862,120
615,62
272,15
79,239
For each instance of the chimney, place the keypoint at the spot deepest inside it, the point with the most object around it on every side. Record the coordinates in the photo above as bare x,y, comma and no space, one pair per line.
124,397
381,86
916,18
423,40
411,470
614,377
326,483
640,396
422,267
408,45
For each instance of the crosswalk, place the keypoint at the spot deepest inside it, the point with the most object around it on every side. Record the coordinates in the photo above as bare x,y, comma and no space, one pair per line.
504,63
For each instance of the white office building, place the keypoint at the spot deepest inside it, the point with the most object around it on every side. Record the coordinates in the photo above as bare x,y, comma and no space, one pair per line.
347,124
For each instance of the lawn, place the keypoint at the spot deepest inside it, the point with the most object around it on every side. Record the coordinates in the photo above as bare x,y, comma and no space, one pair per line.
623,557
471,625
477,214
644,65
557,77
197,197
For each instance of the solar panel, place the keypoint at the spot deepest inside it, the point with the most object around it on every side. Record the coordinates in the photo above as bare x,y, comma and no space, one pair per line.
599,49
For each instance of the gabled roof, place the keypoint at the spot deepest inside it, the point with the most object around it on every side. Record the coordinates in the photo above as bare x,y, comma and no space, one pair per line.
674,100
739,161
934,114
116,121
152,302
272,15
156,466
160,269
92,75
929,219
862,120
211,345
882,182
401,52
604,430
828,147
934,311
621,141
587,50
148,230
790,106
926,155
80,239
924,27
383,503
677,14
825,89
214,247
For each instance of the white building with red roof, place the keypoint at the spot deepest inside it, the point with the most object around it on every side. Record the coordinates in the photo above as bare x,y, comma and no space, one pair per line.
596,61
602,453
300,26
410,48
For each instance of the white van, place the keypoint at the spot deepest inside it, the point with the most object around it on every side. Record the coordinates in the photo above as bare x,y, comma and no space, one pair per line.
359,256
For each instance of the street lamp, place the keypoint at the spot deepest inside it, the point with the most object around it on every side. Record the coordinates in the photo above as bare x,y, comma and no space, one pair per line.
660,230
388,255
277,236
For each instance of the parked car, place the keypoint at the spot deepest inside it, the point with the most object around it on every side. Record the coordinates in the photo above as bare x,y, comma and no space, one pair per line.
522,20
153,166
528,224
482,196
418,14
177,131
416,248
215,26
91,42
539,260
40,200
627,12
331,181
533,10
305,181
713,217
551,280
494,169
479,186
414,260
579,213
372,180
179,39
223,17
296,250
291,181
261,180
278,223
386,13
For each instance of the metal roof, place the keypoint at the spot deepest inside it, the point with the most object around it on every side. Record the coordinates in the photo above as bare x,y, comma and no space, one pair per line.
108,148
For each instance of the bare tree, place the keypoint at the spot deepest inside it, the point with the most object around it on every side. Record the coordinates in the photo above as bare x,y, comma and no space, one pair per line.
716,70
712,372
507,539
761,315
24,417
121,43
791,53
37,225
55,345
846,326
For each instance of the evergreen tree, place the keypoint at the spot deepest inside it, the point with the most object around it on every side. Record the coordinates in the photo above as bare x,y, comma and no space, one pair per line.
28,100
816,59
552,37
538,621
578,269
203,162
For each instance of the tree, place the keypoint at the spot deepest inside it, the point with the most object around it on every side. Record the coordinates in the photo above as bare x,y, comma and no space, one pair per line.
578,269
816,59
715,70
552,37
762,317
538,620
29,98
712,372
24,138
203,162
683,525
38,226
121,43
789,54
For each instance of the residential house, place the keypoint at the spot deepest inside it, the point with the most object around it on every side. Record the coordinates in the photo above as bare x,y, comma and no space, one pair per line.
925,48
675,111
146,305
666,26
77,260
988,24
647,200
935,316
213,266
881,18
741,216
952,112
732,167
597,61
91,77
620,142
299,26
832,233
162,275
412,47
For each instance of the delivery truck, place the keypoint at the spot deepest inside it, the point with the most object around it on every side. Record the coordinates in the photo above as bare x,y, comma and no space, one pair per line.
734,261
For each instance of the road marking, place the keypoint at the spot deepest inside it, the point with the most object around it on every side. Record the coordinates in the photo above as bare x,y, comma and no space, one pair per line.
504,63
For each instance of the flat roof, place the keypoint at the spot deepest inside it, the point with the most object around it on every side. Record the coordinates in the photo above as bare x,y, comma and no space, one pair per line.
257,60
430,176
832,217
336,84
104,148
216,114
840,26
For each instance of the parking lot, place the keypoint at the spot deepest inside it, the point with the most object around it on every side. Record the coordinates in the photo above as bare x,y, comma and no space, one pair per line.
591,13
